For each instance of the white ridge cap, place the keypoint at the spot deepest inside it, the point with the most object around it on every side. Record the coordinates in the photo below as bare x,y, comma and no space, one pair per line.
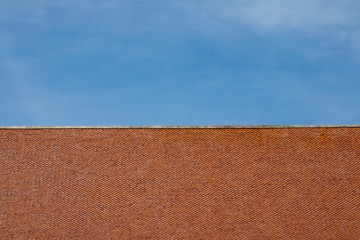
180,127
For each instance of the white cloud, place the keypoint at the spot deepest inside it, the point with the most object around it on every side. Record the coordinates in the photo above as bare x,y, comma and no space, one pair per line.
296,14
330,19
273,14
336,20
261,14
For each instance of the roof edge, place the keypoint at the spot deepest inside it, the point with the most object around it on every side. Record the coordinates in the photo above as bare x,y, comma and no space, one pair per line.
179,126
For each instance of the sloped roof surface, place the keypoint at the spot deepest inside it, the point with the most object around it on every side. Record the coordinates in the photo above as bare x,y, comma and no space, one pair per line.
180,183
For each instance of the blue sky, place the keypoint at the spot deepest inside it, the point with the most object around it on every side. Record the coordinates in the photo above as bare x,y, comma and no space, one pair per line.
179,62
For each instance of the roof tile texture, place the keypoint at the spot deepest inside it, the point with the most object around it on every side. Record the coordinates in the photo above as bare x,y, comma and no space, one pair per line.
295,183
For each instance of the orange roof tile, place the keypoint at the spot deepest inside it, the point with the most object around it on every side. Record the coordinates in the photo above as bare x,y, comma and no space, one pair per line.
180,183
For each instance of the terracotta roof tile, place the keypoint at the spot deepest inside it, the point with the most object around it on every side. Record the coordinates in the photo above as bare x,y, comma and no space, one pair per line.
180,183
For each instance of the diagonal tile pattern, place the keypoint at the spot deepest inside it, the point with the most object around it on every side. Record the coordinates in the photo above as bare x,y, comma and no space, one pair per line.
180,183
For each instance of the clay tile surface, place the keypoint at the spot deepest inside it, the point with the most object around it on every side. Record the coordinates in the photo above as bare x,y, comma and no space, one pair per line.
180,183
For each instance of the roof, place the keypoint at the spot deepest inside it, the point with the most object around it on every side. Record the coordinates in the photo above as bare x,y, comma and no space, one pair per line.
180,182
183,126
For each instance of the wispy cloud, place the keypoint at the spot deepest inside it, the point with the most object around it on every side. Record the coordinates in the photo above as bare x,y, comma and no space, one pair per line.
295,14
275,14
259,14
312,18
